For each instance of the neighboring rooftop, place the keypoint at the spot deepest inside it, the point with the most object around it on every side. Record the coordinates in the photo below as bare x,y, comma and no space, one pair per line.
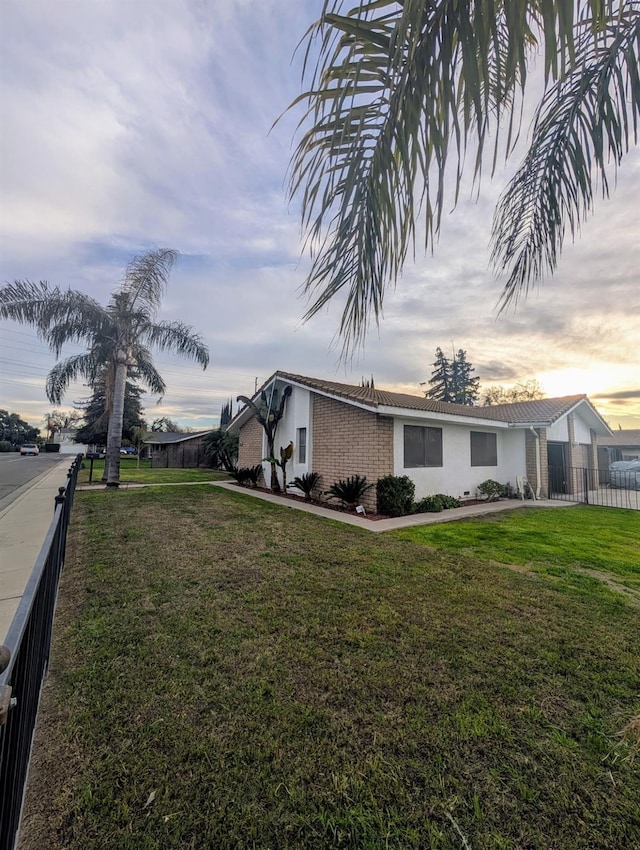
624,438
162,438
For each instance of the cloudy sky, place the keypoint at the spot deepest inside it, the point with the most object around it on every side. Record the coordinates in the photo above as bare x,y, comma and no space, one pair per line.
130,125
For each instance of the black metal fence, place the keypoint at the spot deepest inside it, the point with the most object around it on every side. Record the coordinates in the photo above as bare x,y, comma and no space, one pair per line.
595,487
24,660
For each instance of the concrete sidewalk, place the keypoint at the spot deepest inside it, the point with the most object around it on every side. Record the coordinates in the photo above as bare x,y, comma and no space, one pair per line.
396,522
23,528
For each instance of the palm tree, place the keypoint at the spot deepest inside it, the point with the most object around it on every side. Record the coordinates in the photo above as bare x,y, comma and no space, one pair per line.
221,448
118,337
269,411
399,88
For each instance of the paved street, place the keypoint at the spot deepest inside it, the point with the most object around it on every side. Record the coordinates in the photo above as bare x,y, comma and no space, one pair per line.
16,472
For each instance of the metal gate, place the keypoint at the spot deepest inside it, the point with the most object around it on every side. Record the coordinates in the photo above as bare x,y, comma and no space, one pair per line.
591,487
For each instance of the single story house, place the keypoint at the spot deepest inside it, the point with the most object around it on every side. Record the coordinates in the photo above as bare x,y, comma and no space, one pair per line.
176,450
621,445
340,430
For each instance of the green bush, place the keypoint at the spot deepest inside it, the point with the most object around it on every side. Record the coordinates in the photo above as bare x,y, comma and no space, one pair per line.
428,505
5,446
308,483
491,490
395,495
349,490
435,504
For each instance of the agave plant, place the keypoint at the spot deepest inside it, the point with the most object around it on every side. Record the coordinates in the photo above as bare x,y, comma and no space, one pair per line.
308,483
350,490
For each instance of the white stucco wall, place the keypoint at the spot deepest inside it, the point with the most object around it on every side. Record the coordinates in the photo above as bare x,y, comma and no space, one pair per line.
297,414
559,431
581,429
456,476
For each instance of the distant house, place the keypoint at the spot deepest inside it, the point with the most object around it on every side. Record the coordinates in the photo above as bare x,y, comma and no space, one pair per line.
620,445
340,430
176,450
66,439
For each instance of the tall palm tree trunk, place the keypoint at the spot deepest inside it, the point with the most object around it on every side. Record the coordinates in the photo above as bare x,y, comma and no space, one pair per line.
116,418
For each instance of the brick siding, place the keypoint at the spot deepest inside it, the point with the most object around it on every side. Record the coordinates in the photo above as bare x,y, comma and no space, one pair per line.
532,471
250,447
349,441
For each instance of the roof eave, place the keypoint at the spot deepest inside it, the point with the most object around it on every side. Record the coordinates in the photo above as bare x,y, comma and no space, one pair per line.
453,418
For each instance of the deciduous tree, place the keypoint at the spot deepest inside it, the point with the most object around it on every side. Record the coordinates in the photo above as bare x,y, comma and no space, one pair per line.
522,391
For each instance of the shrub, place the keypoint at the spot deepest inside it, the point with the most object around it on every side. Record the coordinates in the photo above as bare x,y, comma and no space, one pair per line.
491,490
428,505
247,474
435,504
395,495
5,446
350,490
308,482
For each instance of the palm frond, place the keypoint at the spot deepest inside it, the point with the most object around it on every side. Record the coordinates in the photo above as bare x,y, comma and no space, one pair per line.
179,339
582,130
146,278
80,319
67,371
395,86
397,90
45,307
146,372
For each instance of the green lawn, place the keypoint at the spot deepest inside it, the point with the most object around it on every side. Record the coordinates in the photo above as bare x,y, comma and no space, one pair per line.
227,673
568,542
130,473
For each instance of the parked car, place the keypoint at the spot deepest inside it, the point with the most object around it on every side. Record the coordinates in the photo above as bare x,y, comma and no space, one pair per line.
127,450
625,474
29,449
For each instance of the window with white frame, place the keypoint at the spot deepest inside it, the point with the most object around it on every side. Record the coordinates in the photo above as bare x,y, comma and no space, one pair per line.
484,449
302,445
422,446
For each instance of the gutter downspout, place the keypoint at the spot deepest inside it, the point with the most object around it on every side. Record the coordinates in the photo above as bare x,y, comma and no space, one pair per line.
537,438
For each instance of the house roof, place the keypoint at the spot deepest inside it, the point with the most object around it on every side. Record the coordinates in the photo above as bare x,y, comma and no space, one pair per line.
162,438
541,412
627,438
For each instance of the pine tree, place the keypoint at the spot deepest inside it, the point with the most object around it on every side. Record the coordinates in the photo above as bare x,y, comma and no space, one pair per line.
441,379
96,417
466,385
453,381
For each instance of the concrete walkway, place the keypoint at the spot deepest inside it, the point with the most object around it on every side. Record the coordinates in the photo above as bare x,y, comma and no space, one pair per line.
23,527
396,522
